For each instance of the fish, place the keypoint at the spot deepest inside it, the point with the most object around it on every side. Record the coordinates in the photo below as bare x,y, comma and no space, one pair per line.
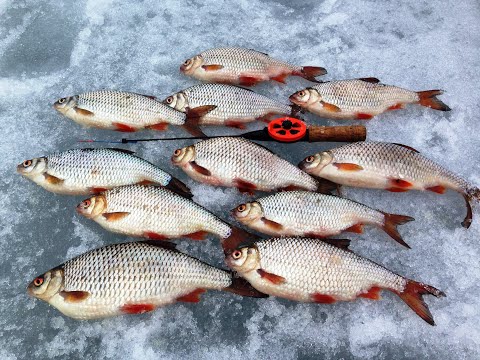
85,171
237,162
390,166
361,99
153,213
304,213
122,111
131,278
246,67
322,271
220,104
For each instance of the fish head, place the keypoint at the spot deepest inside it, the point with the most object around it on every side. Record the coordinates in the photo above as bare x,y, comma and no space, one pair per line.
244,259
177,101
313,164
305,97
65,104
32,167
183,156
45,286
248,213
93,206
192,64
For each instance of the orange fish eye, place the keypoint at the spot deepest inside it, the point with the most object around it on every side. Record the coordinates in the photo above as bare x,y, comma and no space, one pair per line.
38,281
237,254
301,93
169,100
86,203
177,152
309,159
27,163
241,208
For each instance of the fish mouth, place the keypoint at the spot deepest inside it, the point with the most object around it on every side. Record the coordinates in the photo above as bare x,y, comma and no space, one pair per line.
20,168
294,99
182,68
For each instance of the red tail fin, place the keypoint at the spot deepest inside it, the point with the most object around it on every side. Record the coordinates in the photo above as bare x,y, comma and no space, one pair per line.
390,226
311,72
238,236
179,187
242,287
429,99
471,195
413,297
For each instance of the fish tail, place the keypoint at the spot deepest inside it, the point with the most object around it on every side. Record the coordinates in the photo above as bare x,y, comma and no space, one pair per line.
391,221
413,293
179,187
296,110
429,99
472,196
325,186
311,72
237,237
242,287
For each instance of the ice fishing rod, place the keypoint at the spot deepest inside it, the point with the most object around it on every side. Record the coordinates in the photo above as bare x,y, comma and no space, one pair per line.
284,130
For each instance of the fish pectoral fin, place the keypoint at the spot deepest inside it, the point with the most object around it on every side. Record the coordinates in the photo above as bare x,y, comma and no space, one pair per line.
364,116
323,299
272,224
246,80
235,124
212,67
162,126
115,216
372,80
400,183
340,243
244,186
154,236
74,296
330,107
407,147
193,297
83,112
137,308
97,190
200,169
274,279
52,179
347,167
123,128
199,111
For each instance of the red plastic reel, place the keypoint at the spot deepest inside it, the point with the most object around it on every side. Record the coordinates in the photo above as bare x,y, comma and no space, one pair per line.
287,129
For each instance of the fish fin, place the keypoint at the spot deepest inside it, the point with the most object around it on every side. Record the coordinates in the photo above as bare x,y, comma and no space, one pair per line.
316,236
200,169
83,112
472,194
357,229
291,188
154,236
160,126
235,124
137,308
74,296
396,107
413,297
197,235
52,179
311,72
168,245
439,189
259,52
373,293
124,151
242,287
429,99
237,237
272,224
396,189
347,166
280,78
390,226
323,299
364,116
340,243
407,147
179,187
326,186
274,279
192,125
399,185
372,80
212,67
248,80
97,190
146,182
115,216
123,128
244,186
193,297
330,107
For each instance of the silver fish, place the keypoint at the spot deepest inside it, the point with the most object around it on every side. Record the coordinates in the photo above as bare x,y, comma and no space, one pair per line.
311,270
388,166
361,98
84,171
226,104
239,66
130,278
304,213
237,162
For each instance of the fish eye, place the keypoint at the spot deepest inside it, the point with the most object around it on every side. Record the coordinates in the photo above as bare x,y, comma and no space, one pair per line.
169,100
301,93
177,152
27,163
62,100
38,281
310,159
237,254
242,207
187,62
86,203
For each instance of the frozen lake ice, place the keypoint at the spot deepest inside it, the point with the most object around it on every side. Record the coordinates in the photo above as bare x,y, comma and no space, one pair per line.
51,49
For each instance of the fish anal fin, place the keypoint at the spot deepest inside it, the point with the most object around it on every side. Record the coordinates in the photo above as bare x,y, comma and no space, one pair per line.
245,80
154,236
439,189
280,78
115,216
123,128
399,185
396,107
193,297
357,229
74,296
160,126
373,293
323,299
274,279
340,243
364,116
137,308
197,235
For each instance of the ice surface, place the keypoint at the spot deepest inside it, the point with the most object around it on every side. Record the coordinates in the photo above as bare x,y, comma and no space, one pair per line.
50,49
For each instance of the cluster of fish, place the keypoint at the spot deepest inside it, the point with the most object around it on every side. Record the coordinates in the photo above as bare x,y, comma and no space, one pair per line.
133,197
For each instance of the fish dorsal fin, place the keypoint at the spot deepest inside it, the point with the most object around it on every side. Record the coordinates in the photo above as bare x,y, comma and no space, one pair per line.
370,80
262,146
125,151
259,52
407,147
162,244
340,243
148,96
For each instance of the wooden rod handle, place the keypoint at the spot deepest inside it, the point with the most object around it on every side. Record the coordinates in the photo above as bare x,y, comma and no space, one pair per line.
350,133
